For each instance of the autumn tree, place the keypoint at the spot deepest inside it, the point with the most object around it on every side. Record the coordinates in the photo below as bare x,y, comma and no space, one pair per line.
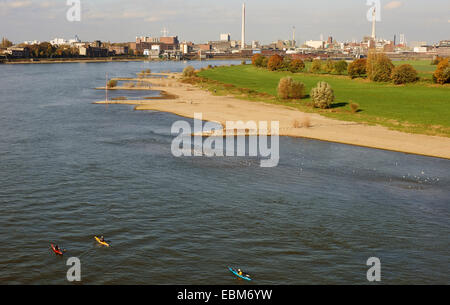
275,62
357,68
379,67
442,73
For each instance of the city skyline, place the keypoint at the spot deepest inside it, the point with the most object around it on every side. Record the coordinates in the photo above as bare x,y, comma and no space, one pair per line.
200,20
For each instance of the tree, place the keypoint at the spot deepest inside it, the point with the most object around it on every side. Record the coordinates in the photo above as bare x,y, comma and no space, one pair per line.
275,62
257,60
441,75
357,68
296,65
322,95
5,43
329,66
316,66
404,74
290,89
379,67
340,67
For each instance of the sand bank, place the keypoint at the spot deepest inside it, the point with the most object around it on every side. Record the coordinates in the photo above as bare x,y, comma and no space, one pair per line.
293,123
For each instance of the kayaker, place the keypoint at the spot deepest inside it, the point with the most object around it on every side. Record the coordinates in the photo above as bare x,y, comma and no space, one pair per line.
102,239
57,248
240,272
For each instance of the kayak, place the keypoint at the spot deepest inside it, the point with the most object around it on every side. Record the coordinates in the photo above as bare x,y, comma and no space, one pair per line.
244,277
57,252
101,242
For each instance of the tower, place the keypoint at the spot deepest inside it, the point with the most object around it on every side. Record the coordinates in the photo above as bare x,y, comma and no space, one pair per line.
374,20
293,37
243,27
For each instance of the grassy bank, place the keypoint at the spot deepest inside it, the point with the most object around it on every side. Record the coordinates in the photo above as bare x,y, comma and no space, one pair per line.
416,108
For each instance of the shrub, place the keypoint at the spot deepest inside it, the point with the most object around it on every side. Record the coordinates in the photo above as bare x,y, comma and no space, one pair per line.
354,107
357,68
441,75
265,62
257,60
379,67
189,71
296,65
112,83
404,74
329,66
275,62
316,66
340,67
290,89
243,62
286,64
322,95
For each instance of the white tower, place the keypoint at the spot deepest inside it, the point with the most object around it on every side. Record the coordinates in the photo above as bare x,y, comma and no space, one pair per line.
374,20
243,27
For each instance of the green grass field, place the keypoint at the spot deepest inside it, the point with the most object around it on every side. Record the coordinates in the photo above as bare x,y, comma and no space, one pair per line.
417,108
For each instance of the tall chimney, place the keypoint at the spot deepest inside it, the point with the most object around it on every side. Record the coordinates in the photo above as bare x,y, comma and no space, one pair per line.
374,20
243,27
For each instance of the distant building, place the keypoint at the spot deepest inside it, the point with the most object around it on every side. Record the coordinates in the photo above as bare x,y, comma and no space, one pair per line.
118,50
315,44
225,37
17,52
91,51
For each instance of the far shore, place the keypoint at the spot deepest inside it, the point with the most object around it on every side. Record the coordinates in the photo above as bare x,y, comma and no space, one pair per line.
104,60
293,123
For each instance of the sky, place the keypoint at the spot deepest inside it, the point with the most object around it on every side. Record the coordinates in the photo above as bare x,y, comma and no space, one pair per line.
205,20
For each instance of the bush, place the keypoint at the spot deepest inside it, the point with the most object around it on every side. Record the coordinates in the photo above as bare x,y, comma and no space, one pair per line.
296,65
257,60
357,68
112,83
354,108
329,66
243,62
189,71
265,62
322,96
290,89
441,75
340,67
379,67
275,62
404,74
316,66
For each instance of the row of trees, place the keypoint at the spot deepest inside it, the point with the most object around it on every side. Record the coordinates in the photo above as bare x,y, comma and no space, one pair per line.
377,68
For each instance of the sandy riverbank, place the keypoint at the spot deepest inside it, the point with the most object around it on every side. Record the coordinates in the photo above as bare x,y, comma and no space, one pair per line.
225,108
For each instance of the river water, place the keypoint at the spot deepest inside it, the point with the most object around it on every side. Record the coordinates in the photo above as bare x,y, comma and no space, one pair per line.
70,170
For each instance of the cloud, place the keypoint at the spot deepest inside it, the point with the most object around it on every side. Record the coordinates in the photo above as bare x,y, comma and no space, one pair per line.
393,5
15,4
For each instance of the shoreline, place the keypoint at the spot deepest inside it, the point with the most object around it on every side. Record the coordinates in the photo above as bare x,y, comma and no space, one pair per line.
191,99
107,60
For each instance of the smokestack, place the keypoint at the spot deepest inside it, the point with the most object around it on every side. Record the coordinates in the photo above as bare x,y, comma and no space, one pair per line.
243,27
374,20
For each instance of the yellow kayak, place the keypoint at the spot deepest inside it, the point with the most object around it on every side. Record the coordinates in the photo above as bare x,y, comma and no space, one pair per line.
101,242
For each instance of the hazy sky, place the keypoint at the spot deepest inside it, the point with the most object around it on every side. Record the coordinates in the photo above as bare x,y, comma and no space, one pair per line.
202,20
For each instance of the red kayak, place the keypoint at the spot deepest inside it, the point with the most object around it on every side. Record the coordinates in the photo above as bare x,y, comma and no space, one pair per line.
57,252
